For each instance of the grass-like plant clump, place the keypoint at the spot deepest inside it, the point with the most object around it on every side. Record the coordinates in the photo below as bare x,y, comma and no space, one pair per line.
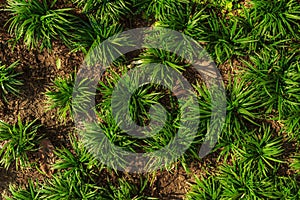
65,99
8,80
37,23
18,140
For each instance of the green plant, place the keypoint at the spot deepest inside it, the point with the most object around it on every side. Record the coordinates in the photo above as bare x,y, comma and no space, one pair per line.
20,139
126,190
61,98
224,38
272,17
31,192
206,188
260,150
229,138
296,162
187,19
243,103
80,163
104,9
99,137
70,187
276,76
161,8
66,99
225,5
159,56
162,50
38,23
291,122
139,103
287,188
238,182
8,81
90,35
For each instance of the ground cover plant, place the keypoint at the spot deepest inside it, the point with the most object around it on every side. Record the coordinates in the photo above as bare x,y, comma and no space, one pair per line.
43,154
18,140
9,82
37,22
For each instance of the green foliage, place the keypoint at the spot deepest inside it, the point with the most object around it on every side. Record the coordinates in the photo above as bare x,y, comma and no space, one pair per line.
272,17
238,182
38,23
275,75
292,123
8,81
296,162
287,188
69,187
31,192
187,19
243,103
126,190
91,34
224,38
206,189
261,35
19,139
67,100
160,8
229,138
80,163
103,9
158,56
259,150
225,5
61,97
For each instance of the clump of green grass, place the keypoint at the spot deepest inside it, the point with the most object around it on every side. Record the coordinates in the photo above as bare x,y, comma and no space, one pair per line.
292,123
127,190
275,75
235,181
38,24
8,81
30,192
19,139
67,100
272,17
69,187
287,187
159,56
205,188
259,150
223,38
296,162
187,18
243,107
61,96
90,35
81,162
104,9
160,8
239,182
76,177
